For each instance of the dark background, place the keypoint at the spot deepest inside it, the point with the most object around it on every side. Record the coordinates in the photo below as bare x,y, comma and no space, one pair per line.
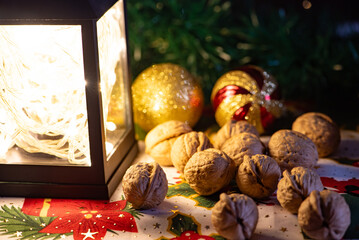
312,52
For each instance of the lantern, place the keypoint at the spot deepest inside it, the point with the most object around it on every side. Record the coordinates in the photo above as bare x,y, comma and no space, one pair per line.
66,127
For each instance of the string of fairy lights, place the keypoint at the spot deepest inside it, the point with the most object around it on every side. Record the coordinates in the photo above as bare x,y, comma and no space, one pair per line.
42,86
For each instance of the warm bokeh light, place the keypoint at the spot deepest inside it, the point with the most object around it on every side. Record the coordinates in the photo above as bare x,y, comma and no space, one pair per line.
306,4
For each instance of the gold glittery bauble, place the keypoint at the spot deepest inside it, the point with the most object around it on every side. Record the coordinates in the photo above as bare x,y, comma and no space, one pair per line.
166,92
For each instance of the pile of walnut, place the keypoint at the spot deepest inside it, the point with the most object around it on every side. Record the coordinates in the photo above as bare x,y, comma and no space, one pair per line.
285,165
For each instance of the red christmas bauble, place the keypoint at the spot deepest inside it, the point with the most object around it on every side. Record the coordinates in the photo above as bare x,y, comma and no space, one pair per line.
249,93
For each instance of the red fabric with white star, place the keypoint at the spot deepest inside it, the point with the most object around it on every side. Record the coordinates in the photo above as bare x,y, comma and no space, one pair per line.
86,219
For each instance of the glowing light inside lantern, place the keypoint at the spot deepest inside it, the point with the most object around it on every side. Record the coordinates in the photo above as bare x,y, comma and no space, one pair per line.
42,87
109,146
111,126
113,71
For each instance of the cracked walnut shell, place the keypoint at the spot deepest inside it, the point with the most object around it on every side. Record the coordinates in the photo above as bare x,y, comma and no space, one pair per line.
208,171
238,146
185,146
292,149
258,176
160,139
295,186
232,128
145,185
321,129
235,216
324,215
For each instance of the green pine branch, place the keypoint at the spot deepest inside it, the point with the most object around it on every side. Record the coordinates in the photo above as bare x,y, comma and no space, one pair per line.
22,226
128,208
193,34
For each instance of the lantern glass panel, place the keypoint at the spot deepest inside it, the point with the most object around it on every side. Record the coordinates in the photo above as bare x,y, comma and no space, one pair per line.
113,71
43,114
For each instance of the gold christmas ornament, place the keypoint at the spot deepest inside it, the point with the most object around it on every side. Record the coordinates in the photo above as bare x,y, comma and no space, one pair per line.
250,94
166,92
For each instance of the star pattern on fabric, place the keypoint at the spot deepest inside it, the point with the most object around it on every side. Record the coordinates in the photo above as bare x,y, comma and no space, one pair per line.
89,234
156,225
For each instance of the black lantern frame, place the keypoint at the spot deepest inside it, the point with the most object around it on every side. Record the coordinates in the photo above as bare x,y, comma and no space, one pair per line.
99,180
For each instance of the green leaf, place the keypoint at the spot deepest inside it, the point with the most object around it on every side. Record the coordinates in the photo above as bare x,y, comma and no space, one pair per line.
353,229
206,201
15,223
163,238
345,161
181,189
217,237
180,223
112,231
140,133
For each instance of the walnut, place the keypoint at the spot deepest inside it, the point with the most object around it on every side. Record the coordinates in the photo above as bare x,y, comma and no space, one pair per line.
232,128
186,145
145,185
321,129
295,186
258,176
208,171
324,215
235,216
241,145
292,149
160,139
